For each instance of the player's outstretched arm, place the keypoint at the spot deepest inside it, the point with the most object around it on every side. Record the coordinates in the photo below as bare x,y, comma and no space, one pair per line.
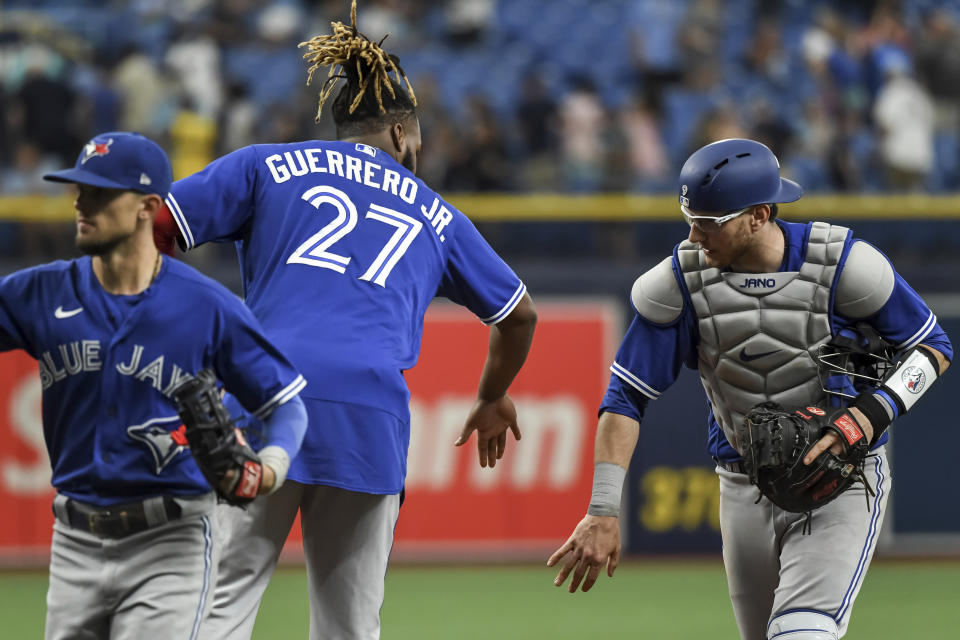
493,413
595,542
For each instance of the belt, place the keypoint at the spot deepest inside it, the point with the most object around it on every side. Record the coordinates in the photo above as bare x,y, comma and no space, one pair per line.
119,520
733,467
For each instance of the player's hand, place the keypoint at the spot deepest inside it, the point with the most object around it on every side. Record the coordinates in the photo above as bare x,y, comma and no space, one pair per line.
269,479
266,484
595,543
832,441
490,419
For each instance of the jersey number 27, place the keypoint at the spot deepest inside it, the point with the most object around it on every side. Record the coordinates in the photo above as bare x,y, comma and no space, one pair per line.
315,252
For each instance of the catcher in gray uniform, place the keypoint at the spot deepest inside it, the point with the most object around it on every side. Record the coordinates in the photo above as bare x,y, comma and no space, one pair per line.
783,322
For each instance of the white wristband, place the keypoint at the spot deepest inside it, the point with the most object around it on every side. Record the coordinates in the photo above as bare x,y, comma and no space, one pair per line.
277,459
911,379
607,489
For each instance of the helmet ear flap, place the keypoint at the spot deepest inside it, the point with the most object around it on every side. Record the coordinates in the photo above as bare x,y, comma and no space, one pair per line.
855,360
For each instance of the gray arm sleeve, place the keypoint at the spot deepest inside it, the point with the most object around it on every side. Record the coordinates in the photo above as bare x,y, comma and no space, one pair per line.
656,295
865,283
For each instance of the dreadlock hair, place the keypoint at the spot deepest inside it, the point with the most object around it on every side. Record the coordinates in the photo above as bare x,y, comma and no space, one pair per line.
371,100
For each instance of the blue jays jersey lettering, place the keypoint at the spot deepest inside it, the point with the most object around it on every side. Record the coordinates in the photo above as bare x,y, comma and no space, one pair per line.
651,355
108,364
342,248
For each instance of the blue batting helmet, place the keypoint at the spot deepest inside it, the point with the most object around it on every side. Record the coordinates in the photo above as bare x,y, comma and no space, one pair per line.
733,174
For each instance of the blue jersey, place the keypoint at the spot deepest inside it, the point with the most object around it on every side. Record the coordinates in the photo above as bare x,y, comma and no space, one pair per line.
651,355
108,364
341,251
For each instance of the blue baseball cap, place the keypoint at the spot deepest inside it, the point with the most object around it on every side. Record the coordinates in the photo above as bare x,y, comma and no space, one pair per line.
120,160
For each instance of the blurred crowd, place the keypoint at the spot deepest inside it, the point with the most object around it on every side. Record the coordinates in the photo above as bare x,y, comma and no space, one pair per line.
515,95
580,95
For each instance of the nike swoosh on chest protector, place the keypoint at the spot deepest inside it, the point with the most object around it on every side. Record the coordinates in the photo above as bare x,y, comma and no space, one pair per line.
747,357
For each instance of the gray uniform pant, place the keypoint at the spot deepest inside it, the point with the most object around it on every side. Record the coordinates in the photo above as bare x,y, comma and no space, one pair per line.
347,537
154,584
773,566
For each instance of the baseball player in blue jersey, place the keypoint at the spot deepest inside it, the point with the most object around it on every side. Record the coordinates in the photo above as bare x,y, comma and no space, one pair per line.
114,333
748,299
342,248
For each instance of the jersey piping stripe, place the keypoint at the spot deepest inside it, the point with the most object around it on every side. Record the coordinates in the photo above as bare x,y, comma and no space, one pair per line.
634,381
181,221
920,335
285,394
507,308
207,566
865,553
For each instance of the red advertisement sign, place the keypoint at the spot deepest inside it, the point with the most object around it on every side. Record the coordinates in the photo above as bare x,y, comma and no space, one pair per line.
25,492
530,500
539,490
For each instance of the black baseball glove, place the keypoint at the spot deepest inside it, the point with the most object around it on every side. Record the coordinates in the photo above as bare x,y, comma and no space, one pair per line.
219,448
774,442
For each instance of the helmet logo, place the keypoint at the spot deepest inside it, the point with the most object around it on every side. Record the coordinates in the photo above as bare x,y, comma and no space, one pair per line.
683,190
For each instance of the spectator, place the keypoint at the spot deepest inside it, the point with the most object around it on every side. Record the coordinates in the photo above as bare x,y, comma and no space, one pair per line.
46,105
765,58
239,119
194,58
536,119
904,115
646,155
656,52
938,66
938,69
468,20
485,165
147,94
582,122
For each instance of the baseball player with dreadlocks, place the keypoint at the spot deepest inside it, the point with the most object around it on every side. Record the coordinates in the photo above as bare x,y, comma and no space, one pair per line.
117,333
342,249
749,300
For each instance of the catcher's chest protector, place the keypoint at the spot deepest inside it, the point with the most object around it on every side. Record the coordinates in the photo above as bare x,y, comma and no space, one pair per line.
759,332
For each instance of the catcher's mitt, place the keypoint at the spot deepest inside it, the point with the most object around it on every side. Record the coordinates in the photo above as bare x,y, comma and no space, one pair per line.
223,455
775,441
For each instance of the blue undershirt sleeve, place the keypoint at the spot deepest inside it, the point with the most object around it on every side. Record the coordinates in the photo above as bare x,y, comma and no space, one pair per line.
286,426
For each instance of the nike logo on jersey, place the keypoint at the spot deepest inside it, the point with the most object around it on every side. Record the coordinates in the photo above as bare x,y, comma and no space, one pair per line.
60,314
747,357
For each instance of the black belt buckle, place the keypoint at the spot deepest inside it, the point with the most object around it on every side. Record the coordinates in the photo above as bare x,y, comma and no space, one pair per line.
108,524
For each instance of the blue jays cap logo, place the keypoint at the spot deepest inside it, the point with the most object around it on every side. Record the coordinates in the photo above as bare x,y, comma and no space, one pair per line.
95,149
